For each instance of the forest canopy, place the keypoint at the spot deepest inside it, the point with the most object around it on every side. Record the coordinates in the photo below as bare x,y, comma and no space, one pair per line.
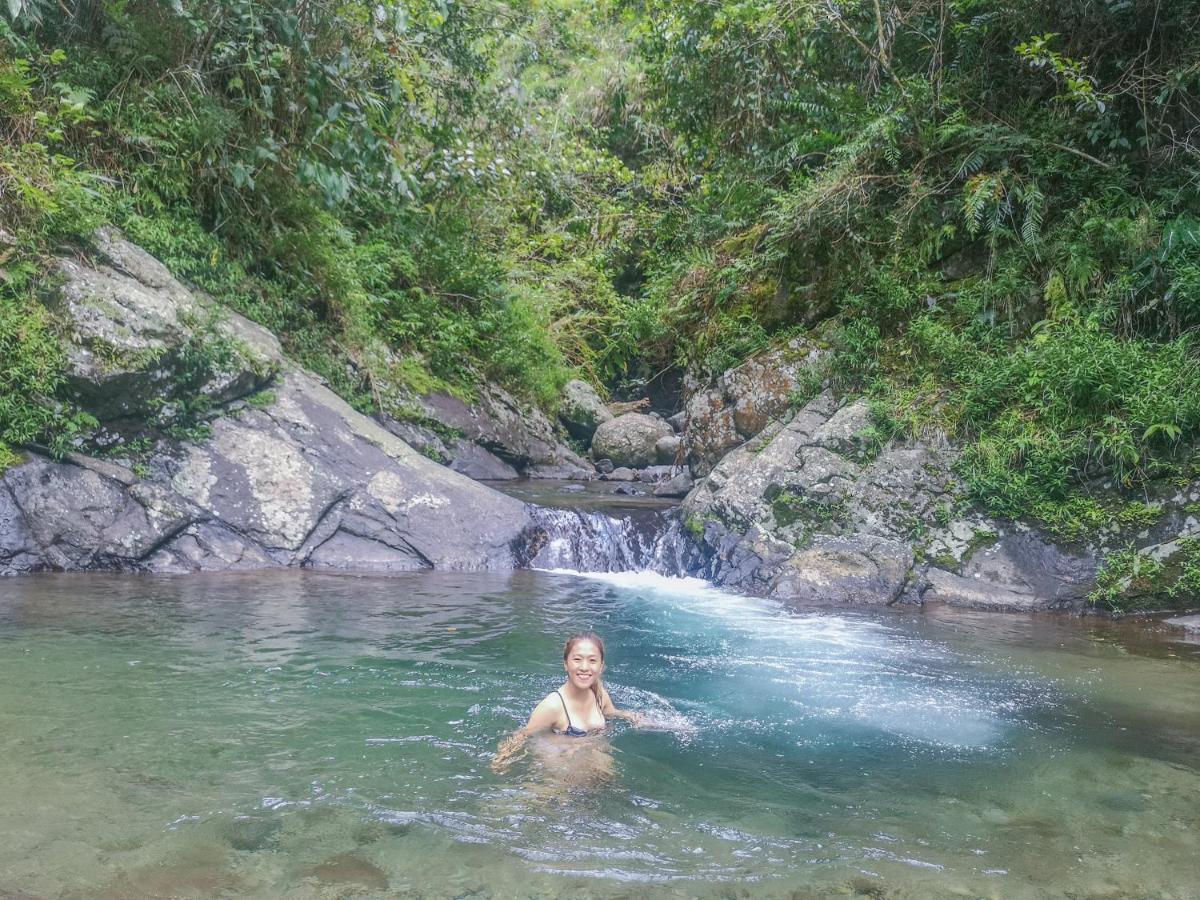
985,210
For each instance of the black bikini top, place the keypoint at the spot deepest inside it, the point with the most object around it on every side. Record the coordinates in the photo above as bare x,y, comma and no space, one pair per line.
572,731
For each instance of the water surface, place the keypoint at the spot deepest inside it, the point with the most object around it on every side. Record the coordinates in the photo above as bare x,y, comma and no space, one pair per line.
329,736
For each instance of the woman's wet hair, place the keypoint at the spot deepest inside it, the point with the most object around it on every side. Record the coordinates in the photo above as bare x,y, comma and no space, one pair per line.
578,638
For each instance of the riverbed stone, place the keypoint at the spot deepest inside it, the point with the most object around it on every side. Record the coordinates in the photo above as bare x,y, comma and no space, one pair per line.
677,486
867,519
629,440
516,433
303,481
17,545
481,464
667,449
862,569
745,400
655,474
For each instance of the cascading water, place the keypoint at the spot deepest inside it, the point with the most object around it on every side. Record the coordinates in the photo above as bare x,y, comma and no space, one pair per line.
651,540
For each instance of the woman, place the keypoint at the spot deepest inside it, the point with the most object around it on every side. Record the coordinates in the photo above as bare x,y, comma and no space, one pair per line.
578,708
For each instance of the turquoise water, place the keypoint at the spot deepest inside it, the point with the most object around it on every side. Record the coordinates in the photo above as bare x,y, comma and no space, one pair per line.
293,734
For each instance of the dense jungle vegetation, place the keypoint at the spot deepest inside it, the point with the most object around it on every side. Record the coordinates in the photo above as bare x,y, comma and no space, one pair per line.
986,209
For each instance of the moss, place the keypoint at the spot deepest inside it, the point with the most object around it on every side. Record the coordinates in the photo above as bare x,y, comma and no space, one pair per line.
432,452
981,538
788,508
416,415
1079,517
946,561
8,457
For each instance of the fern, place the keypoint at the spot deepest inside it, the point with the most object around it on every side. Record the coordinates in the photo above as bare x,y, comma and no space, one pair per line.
1035,213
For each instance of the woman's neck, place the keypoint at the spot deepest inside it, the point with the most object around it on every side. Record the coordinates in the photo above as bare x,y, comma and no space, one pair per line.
576,693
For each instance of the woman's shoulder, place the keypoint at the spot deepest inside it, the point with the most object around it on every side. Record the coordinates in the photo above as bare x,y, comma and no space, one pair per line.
547,712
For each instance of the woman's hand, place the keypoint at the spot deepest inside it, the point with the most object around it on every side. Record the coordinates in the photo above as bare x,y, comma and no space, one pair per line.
508,750
636,719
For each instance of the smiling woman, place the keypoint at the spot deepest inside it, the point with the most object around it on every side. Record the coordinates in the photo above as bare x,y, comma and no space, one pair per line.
578,708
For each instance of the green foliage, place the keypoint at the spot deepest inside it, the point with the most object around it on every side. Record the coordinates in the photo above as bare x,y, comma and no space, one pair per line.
1123,573
31,380
984,208
1129,581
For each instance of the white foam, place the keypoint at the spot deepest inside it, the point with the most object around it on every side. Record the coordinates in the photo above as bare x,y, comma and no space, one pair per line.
834,666
643,580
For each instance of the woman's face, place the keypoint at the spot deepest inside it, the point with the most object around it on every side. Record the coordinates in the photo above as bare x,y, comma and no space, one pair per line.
584,664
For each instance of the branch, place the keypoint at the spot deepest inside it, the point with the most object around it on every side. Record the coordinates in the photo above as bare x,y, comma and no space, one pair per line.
1099,162
853,35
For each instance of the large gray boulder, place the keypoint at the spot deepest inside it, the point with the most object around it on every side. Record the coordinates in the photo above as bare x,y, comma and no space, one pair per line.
305,480
817,509
630,440
295,478
582,411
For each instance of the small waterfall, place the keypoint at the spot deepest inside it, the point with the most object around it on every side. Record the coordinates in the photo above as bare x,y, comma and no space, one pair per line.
637,541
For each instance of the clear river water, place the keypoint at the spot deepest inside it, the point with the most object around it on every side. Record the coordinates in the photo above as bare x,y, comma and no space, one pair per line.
305,735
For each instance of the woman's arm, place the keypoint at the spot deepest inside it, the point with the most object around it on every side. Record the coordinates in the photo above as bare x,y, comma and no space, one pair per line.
611,712
543,718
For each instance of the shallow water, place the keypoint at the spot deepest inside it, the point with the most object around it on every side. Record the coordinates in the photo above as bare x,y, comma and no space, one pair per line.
327,736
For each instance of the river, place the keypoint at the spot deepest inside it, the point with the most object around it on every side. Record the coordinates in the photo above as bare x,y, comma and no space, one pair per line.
308,735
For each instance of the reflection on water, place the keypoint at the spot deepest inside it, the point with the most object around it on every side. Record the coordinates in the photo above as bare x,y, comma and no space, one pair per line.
328,736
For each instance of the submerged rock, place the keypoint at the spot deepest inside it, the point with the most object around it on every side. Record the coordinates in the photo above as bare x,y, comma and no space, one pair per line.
1187,623
955,590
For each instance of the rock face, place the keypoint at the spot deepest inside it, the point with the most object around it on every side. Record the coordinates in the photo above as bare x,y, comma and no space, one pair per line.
494,437
133,327
816,509
630,440
305,480
743,402
582,410
296,478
